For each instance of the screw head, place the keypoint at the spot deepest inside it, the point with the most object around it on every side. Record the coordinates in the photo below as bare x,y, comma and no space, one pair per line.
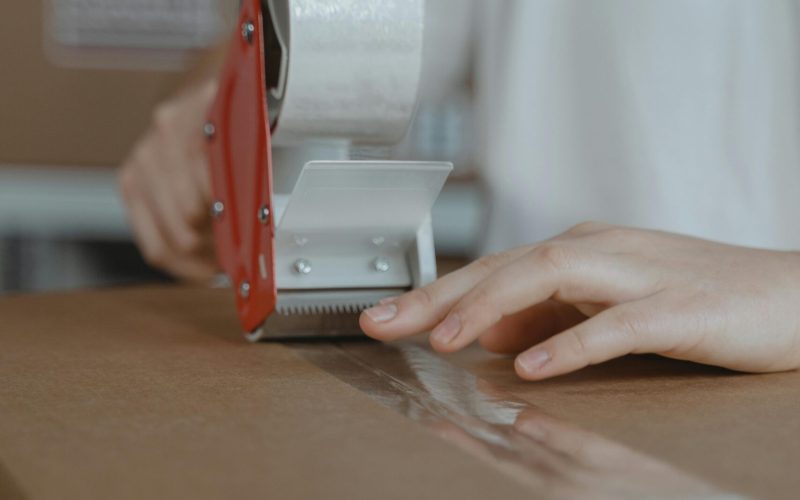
302,266
381,265
263,214
244,289
248,28
217,209
209,130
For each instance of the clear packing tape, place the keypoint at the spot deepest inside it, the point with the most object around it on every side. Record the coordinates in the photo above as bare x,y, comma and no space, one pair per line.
370,53
553,458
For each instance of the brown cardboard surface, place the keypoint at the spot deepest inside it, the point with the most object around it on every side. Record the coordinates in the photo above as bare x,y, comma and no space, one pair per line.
151,392
739,431
67,116
154,394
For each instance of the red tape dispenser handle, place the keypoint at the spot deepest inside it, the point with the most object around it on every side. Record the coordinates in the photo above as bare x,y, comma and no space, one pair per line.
239,152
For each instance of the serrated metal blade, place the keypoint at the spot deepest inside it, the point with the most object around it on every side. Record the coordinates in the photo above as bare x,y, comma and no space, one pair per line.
345,301
319,313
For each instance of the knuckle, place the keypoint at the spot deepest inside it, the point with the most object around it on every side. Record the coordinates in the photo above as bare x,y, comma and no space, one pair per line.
489,263
163,113
630,326
163,118
480,306
140,163
587,227
193,210
577,347
126,180
196,215
209,89
619,233
481,299
556,255
423,297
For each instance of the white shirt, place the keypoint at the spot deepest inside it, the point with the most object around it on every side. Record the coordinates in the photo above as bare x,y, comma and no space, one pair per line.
680,115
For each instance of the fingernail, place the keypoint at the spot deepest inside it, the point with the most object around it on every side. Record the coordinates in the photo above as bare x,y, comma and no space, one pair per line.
382,313
447,329
532,361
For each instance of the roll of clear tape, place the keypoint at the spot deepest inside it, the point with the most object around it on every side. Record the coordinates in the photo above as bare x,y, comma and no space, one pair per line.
342,69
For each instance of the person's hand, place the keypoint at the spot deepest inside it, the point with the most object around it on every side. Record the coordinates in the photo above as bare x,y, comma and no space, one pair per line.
597,292
165,184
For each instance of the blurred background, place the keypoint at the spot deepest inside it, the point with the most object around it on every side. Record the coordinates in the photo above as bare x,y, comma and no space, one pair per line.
79,81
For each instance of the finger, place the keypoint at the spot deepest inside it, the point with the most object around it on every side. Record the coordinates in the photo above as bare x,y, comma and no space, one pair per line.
567,274
202,179
189,176
160,160
195,269
200,266
200,98
585,229
192,193
421,309
613,333
178,164
166,212
146,233
156,251
517,332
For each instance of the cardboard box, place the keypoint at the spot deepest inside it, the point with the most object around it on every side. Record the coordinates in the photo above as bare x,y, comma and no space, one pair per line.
57,111
153,393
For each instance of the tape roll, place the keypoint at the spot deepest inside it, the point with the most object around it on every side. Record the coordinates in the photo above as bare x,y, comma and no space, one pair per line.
342,69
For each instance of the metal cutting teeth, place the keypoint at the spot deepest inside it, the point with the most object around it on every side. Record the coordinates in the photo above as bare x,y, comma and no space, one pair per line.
288,310
319,313
330,302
